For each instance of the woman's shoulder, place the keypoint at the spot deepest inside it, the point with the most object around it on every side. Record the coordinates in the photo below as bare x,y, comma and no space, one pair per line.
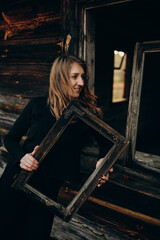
38,103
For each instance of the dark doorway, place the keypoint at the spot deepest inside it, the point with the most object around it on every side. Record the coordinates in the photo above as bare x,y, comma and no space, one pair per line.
117,28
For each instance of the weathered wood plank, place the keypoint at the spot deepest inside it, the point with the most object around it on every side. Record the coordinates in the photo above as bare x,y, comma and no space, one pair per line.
82,228
148,161
32,41
122,210
12,103
7,119
134,102
3,159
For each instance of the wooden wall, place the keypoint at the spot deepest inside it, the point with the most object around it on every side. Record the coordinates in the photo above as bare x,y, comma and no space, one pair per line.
30,39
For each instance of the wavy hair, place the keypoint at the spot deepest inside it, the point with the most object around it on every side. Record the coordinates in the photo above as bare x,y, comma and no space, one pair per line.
60,89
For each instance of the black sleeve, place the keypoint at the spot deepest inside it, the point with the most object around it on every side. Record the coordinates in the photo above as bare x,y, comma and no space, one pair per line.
18,130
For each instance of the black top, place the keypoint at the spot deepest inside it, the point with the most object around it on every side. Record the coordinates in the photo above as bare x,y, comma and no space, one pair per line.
63,160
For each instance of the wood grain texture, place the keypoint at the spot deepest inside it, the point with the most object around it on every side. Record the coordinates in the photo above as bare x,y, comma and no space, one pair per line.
30,40
82,228
28,19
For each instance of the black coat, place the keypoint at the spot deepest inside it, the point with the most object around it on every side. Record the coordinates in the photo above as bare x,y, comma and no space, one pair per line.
62,162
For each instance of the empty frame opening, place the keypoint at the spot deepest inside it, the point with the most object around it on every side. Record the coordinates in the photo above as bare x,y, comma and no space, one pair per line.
149,116
76,153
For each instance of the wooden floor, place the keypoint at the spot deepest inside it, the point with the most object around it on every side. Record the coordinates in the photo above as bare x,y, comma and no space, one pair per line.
108,219
81,228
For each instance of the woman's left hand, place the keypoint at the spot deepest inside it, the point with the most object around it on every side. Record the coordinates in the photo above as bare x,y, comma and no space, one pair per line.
104,178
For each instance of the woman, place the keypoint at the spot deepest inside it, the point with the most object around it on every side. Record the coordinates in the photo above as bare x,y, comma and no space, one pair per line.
25,218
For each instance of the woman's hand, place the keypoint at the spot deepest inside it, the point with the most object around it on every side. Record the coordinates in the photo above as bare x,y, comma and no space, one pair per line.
104,178
28,162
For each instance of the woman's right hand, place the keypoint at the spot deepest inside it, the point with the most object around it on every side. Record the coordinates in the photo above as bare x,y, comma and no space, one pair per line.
28,162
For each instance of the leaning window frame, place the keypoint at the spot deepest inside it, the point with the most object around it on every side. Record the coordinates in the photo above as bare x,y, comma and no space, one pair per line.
119,146
141,48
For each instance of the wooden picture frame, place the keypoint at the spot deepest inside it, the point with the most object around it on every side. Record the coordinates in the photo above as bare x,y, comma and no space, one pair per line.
119,145
141,49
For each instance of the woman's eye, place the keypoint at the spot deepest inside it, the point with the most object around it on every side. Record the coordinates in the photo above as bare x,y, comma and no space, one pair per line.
83,77
74,76
77,75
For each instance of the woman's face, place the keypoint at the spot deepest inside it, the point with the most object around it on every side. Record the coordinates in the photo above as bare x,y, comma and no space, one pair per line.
77,77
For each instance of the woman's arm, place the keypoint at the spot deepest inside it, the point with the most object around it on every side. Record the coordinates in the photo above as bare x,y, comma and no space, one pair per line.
18,130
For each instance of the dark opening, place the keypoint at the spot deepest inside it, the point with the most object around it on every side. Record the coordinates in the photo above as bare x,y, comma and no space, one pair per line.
149,116
119,27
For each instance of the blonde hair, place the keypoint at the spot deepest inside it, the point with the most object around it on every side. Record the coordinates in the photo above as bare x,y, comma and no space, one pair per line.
60,90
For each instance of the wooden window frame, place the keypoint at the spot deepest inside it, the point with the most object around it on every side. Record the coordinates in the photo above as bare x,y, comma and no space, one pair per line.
119,146
141,48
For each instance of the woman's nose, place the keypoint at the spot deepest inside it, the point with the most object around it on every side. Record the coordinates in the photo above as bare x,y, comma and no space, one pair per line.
80,81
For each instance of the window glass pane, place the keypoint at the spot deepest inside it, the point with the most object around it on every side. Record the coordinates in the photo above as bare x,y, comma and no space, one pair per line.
119,76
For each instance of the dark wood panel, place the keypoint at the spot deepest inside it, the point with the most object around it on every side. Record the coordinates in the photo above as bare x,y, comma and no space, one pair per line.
24,73
30,40
25,19
7,119
23,66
